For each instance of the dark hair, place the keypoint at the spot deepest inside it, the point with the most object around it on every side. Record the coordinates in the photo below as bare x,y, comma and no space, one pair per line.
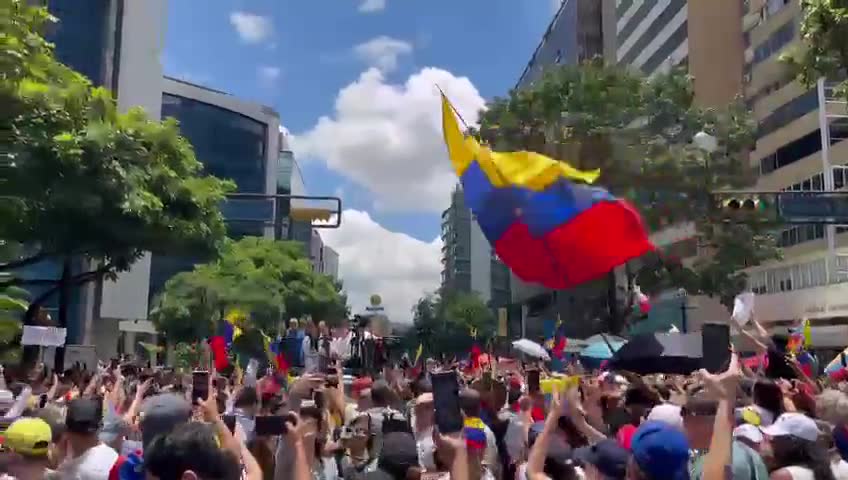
576,438
381,393
767,394
789,450
247,397
190,446
421,385
469,402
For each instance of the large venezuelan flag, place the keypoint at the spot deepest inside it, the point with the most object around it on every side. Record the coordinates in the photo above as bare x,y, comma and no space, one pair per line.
546,228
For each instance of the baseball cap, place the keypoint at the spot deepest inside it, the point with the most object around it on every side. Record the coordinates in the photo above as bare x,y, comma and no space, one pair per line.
607,456
28,436
668,414
160,414
661,451
84,415
625,435
794,424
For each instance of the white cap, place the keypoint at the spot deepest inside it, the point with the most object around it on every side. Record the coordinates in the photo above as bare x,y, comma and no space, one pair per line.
748,431
668,414
794,424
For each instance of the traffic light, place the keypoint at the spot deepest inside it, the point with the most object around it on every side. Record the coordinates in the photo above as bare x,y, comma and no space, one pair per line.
745,207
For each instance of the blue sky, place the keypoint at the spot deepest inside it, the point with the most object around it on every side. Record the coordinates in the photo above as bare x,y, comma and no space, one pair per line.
378,144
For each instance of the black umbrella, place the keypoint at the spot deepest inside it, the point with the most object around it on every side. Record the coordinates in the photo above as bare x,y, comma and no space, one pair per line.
673,353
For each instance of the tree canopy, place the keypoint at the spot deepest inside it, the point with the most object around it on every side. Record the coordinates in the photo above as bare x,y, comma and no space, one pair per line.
824,49
269,281
639,133
444,323
80,179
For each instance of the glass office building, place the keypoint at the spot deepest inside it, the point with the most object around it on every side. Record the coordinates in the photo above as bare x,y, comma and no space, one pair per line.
87,41
233,140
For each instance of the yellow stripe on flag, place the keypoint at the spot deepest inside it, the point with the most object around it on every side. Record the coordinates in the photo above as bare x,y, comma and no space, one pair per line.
461,156
418,353
530,170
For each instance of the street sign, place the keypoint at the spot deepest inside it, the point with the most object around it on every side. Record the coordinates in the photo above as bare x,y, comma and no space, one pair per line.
813,207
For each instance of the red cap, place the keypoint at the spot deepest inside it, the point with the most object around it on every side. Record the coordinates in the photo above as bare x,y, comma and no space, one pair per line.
625,435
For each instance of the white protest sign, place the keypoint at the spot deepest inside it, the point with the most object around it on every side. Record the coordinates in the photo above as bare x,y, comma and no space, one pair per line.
43,336
85,355
743,308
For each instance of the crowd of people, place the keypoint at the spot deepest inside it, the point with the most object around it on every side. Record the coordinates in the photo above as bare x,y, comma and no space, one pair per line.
516,421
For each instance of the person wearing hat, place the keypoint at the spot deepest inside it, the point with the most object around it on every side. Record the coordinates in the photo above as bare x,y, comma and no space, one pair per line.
398,458
160,414
87,457
28,443
699,416
796,453
605,460
659,452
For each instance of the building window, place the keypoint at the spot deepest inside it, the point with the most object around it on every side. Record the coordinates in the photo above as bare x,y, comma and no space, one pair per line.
791,277
664,52
775,42
228,144
789,112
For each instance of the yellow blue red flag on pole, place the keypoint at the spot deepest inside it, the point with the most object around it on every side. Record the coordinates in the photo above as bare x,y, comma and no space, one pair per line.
540,216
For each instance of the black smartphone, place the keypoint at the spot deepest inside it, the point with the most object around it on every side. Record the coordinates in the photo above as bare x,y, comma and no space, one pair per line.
230,422
533,385
446,402
271,425
199,385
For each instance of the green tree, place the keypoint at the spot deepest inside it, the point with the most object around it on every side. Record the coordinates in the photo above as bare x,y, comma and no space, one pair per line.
443,323
270,281
80,180
824,49
639,133
467,313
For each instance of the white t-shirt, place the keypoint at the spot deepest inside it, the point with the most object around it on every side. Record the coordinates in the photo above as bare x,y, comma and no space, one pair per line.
839,469
94,464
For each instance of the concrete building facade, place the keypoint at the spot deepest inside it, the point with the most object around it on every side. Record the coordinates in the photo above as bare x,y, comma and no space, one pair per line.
800,147
468,262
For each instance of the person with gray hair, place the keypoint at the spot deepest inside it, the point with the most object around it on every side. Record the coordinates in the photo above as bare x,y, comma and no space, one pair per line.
832,407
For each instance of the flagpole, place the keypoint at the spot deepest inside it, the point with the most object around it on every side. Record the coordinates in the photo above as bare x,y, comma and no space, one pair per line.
459,115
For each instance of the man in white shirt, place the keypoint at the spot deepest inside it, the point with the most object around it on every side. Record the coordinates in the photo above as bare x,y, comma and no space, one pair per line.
87,458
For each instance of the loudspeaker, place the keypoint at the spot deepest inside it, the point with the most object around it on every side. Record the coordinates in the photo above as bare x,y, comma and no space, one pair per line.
715,340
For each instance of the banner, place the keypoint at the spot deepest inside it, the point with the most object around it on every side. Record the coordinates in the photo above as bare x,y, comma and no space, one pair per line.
84,355
43,336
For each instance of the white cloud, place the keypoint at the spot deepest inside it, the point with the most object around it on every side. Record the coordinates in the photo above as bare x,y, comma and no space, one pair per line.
382,52
269,74
251,28
388,137
371,6
374,260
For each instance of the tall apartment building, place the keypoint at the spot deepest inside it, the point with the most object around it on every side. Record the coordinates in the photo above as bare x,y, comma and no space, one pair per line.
116,44
575,34
800,147
707,39
651,36
468,262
